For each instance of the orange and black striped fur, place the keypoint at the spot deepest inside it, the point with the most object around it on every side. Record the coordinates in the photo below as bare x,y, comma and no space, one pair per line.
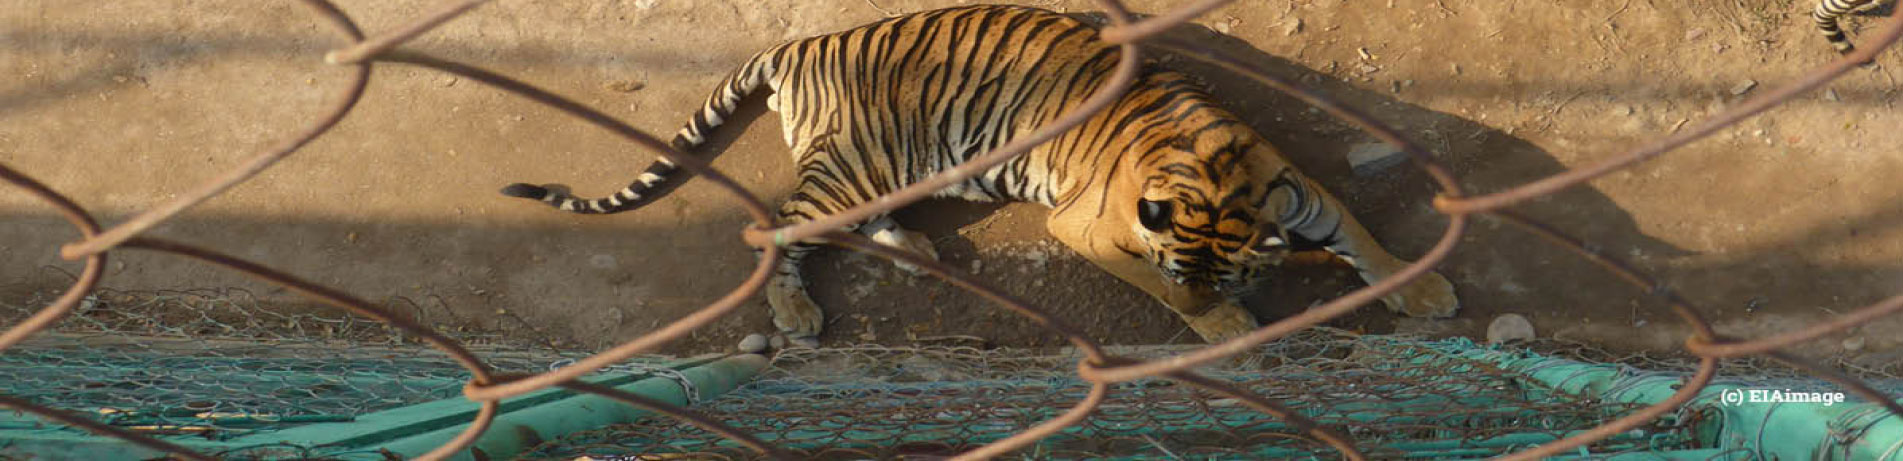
1164,189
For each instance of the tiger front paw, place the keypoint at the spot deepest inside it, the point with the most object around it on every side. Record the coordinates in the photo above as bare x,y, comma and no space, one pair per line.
1429,296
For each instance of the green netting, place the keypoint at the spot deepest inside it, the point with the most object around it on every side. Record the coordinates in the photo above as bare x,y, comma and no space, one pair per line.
1397,396
223,373
212,366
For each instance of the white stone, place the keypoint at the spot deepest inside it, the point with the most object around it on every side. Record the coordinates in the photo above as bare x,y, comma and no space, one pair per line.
1371,158
1853,344
1509,327
753,344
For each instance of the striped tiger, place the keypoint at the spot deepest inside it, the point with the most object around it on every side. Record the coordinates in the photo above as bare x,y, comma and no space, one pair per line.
1829,15
1163,189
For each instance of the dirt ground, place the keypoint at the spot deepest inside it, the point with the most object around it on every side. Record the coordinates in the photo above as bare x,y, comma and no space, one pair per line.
1787,219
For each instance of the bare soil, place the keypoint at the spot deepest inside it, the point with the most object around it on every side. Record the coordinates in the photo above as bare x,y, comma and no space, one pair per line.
1785,220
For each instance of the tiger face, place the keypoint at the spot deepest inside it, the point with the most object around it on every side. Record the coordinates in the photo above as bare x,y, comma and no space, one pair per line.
1209,210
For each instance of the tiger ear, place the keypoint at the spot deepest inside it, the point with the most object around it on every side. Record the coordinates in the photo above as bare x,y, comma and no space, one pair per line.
1154,215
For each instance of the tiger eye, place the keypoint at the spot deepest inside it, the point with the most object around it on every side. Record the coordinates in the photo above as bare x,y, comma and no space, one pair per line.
1154,215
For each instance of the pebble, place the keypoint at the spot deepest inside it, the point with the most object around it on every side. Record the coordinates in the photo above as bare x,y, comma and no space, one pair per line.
777,342
1291,27
1853,344
1509,327
753,344
1831,95
1744,87
1373,157
624,86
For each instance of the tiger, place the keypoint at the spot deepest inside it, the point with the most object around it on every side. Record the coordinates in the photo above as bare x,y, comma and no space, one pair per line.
1829,14
1163,189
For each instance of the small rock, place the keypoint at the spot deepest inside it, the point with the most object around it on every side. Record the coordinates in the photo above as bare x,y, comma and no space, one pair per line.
624,86
446,81
1223,27
1694,34
1373,157
868,337
1853,344
1831,95
808,342
1509,327
1293,26
776,342
977,267
1622,110
1744,87
753,343
644,4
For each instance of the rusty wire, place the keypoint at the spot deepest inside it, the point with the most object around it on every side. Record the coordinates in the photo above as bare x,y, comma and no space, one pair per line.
1098,367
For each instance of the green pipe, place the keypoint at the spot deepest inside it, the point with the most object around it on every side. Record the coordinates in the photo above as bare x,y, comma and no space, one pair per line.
1766,430
1459,449
519,430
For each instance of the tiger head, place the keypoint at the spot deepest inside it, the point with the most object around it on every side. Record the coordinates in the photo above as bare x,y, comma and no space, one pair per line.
1210,205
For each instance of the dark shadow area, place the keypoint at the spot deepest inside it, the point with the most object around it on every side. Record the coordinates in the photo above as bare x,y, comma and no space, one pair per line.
1501,269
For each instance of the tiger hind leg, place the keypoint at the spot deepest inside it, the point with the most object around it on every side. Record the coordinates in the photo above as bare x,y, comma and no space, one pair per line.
794,311
821,193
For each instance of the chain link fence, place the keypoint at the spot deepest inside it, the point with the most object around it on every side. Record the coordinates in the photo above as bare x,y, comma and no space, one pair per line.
221,365
1395,396
1039,418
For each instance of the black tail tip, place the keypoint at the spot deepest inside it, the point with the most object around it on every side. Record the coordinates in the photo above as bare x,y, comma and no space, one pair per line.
531,192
